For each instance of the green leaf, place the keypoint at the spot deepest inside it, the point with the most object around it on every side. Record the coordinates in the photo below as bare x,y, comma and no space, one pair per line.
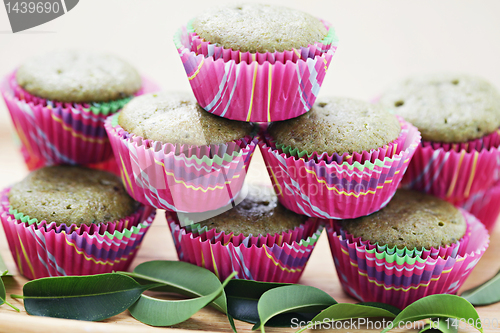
486,293
387,307
444,325
345,311
94,297
443,306
3,296
157,312
291,298
243,297
180,277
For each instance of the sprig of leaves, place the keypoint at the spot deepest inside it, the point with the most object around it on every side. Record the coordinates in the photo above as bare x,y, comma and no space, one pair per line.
98,297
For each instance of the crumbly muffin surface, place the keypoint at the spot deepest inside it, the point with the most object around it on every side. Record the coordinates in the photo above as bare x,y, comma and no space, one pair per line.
177,118
78,77
258,28
72,195
259,213
446,107
338,125
412,220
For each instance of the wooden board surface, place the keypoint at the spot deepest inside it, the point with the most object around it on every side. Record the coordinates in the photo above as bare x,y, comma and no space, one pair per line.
158,244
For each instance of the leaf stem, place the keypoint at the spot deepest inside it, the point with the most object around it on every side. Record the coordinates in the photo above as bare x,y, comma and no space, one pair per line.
16,296
12,306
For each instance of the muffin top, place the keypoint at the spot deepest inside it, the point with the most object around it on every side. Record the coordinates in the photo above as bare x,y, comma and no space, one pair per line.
259,213
338,125
446,107
71,195
78,77
412,220
258,28
177,118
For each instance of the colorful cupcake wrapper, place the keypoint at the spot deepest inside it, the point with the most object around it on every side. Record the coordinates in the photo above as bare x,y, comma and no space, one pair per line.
60,133
45,249
180,177
334,190
399,281
33,162
488,142
256,91
269,258
207,49
389,150
485,205
452,250
452,173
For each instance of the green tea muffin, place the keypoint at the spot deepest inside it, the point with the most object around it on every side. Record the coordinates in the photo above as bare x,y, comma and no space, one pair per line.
258,28
178,119
412,220
449,108
259,213
78,77
338,125
71,195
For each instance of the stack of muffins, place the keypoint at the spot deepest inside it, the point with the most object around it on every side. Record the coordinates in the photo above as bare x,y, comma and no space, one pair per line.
68,217
335,163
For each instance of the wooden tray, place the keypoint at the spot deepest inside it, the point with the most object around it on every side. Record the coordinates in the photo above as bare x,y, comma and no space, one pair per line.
158,244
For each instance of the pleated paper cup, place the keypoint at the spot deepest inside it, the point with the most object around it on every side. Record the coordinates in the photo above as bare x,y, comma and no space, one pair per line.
399,280
61,133
454,172
42,249
254,87
269,258
33,162
485,205
180,178
325,187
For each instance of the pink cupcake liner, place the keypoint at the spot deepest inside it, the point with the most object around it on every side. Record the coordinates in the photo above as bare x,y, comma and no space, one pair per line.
253,88
454,172
59,133
339,190
270,258
400,280
485,205
33,162
180,178
42,249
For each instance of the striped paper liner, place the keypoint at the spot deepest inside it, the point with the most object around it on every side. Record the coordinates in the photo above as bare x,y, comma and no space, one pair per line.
262,88
180,178
269,258
485,205
401,280
33,162
42,249
61,133
339,190
454,172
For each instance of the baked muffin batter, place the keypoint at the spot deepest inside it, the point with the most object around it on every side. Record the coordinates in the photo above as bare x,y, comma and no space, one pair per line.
177,118
78,77
338,125
258,28
71,195
412,220
446,107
